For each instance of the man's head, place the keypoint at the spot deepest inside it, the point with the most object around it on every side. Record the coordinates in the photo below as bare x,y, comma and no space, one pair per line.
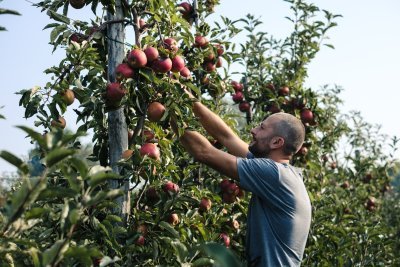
279,132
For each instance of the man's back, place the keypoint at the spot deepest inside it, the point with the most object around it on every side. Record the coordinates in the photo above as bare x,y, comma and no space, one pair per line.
279,214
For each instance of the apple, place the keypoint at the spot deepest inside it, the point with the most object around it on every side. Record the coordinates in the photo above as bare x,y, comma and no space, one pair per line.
171,44
225,238
162,65
185,72
284,90
155,111
273,108
244,106
234,224
220,49
219,62
142,23
232,188
77,4
237,86
76,37
149,135
186,9
333,165
205,80
127,154
209,66
140,240
345,185
151,53
240,193
151,150
137,58
173,219
200,41
205,204
68,96
224,184
367,178
152,194
371,203
228,198
209,57
303,151
307,116
238,97
123,71
177,64
171,187
59,123
142,229
271,87
114,93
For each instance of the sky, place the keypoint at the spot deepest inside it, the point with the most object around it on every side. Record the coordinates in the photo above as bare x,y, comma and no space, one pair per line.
365,61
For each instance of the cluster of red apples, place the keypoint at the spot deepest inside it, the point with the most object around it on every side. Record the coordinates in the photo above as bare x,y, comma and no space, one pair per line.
238,97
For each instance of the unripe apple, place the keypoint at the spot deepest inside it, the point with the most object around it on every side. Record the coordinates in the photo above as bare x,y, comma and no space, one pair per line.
140,241
173,219
171,44
68,96
237,86
177,64
114,93
238,97
205,204
123,71
151,53
209,66
307,116
151,150
244,106
60,123
225,238
185,72
162,65
155,111
127,154
200,41
137,58
170,187
77,4
284,90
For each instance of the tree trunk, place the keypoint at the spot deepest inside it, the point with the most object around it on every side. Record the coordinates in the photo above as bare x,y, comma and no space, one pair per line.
117,128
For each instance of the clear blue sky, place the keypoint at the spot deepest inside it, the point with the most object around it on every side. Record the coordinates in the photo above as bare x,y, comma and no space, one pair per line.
365,61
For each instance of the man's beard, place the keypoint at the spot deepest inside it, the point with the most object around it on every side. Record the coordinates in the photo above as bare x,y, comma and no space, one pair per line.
257,152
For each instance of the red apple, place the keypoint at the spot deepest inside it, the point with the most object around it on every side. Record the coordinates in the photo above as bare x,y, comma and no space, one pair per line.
367,178
151,53
238,97
162,65
284,90
60,123
371,203
209,57
76,37
271,87
152,194
209,66
186,9
200,41
244,106
177,64
155,111
173,219
274,108
68,96
220,49
171,187
185,72
114,93
205,204
151,150
142,23
137,58
228,198
127,154
219,62
237,86
171,44
123,71
303,151
140,240
224,184
149,135
345,184
77,4
307,116
225,238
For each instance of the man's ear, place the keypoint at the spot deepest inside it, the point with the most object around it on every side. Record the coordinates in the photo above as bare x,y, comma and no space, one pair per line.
277,142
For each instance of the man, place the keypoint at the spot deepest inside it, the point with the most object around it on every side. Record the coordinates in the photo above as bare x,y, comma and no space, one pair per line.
279,213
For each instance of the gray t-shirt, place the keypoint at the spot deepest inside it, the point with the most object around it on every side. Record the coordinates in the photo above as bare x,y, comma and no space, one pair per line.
279,214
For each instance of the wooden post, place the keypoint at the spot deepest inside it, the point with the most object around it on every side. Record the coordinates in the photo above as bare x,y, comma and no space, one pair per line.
117,128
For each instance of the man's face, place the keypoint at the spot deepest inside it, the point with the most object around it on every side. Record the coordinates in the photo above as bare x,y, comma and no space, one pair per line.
262,135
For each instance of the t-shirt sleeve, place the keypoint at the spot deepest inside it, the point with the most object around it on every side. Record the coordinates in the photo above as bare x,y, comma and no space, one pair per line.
261,177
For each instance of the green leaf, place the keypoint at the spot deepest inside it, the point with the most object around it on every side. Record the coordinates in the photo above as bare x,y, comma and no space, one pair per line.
58,17
35,213
181,251
14,160
222,255
101,177
74,216
57,155
51,25
34,135
82,254
9,12
203,262
52,254
169,228
80,166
